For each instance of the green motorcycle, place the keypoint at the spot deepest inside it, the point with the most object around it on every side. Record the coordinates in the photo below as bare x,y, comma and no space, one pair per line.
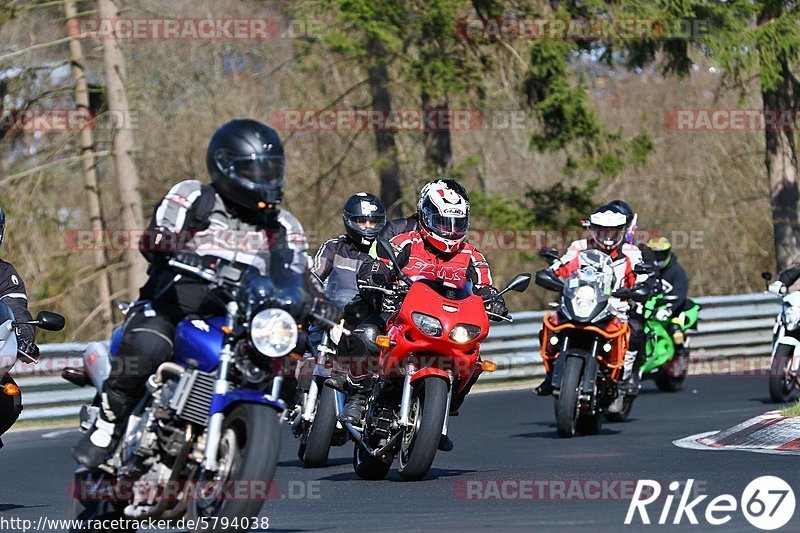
663,363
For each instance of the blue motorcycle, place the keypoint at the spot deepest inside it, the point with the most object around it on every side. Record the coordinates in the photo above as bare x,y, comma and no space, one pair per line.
209,420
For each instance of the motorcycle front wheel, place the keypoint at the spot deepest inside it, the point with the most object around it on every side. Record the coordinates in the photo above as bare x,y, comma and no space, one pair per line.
317,439
566,404
248,453
426,420
781,383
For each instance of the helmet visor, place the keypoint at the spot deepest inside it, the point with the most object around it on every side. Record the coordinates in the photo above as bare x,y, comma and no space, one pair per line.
609,237
447,227
662,258
367,223
259,169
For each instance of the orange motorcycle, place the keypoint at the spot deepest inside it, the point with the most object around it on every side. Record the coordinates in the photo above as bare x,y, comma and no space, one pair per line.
584,344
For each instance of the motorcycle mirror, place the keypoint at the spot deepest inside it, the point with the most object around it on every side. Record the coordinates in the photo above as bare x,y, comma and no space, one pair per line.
644,268
50,321
550,254
766,276
388,253
518,284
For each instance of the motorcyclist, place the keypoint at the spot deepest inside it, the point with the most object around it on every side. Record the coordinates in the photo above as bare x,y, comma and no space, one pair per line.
337,261
672,281
12,293
193,222
786,279
609,227
436,250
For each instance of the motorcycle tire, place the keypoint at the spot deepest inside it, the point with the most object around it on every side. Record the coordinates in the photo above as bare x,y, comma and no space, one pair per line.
255,439
368,467
589,424
622,416
781,386
429,409
94,508
317,440
566,405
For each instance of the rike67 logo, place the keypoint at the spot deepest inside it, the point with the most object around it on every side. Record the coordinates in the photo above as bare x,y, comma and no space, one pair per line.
767,503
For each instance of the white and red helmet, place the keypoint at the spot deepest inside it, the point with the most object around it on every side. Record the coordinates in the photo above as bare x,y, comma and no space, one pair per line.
443,213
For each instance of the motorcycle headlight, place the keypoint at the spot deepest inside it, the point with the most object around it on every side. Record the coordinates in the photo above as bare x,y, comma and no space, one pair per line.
464,333
584,301
273,332
792,316
427,324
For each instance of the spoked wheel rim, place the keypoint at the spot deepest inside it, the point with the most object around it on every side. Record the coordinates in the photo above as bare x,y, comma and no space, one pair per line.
209,492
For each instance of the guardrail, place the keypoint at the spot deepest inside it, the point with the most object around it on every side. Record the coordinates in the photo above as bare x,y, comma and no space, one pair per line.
729,327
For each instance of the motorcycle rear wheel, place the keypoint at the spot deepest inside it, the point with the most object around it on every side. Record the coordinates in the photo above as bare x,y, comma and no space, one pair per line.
566,405
368,467
421,439
251,441
781,386
622,416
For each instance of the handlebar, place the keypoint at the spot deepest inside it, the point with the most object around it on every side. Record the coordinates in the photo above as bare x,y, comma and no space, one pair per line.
204,273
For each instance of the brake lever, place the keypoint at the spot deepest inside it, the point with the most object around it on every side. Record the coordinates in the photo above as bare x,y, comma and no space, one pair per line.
499,317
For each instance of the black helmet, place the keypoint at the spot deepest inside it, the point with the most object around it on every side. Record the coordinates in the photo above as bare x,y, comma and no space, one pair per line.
609,227
364,217
245,161
662,250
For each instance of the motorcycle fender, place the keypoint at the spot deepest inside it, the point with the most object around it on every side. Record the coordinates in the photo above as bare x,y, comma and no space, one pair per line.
430,371
222,402
589,375
561,362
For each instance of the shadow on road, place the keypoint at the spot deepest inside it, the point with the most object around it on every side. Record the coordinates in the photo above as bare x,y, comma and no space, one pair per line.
339,461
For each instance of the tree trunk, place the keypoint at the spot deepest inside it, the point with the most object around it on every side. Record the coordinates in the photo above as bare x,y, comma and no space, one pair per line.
388,167
781,160
438,151
88,161
121,148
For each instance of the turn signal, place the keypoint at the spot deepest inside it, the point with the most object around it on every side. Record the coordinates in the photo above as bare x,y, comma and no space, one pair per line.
226,330
262,205
11,389
383,341
489,366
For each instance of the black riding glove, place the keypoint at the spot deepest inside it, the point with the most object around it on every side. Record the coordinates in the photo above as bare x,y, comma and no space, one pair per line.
325,313
26,346
492,301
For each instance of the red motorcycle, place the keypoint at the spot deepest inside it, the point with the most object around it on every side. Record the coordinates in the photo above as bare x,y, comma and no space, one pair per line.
428,359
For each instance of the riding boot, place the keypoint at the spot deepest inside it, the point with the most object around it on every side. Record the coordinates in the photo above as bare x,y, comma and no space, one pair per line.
358,389
546,387
100,441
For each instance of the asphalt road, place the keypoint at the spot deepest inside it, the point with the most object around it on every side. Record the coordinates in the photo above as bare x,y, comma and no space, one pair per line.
500,436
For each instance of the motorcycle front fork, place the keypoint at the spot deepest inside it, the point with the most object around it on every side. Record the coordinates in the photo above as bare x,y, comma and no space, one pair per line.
408,390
